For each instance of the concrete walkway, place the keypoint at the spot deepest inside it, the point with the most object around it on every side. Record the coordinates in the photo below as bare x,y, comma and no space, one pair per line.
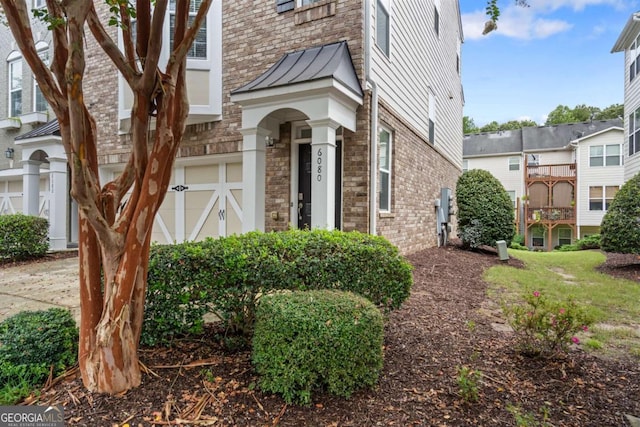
39,286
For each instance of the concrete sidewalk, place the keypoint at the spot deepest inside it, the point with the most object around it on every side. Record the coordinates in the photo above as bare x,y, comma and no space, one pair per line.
39,286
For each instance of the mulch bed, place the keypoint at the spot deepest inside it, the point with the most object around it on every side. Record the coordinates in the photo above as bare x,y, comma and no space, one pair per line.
446,324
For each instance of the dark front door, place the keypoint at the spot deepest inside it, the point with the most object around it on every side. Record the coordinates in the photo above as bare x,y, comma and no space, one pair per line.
304,186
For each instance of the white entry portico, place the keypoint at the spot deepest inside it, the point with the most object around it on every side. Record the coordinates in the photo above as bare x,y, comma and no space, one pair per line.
318,85
45,162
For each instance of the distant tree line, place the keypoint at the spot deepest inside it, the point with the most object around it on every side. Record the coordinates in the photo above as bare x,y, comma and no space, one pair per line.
561,114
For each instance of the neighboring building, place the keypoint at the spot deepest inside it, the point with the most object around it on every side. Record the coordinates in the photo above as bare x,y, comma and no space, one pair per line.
561,178
332,113
629,43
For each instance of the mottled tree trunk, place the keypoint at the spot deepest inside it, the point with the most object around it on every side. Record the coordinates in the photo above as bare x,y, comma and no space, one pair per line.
113,248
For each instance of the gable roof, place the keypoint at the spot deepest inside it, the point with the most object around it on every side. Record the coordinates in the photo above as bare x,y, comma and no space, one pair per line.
535,138
628,34
316,63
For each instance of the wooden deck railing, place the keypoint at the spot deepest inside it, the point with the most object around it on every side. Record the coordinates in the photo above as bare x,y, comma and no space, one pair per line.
553,214
544,171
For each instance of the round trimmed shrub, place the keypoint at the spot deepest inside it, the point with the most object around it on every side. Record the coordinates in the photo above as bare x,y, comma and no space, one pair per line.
485,211
305,340
620,228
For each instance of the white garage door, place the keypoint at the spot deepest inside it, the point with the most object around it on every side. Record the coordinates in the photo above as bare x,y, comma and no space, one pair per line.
202,201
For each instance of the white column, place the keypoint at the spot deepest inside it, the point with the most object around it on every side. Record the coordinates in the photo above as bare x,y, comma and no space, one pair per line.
58,202
323,173
253,178
31,187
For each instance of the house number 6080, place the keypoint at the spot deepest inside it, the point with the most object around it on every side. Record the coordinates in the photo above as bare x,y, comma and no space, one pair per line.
319,169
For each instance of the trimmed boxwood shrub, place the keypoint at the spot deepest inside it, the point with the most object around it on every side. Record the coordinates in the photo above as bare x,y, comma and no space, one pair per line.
304,340
620,228
31,342
485,211
226,276
23,236
177,292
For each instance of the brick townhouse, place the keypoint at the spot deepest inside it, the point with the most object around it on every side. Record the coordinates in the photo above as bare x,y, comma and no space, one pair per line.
332,114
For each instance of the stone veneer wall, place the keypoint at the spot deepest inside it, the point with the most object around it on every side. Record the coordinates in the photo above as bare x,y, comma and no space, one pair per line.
418,173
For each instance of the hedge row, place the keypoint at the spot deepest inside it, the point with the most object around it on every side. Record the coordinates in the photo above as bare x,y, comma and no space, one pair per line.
226,276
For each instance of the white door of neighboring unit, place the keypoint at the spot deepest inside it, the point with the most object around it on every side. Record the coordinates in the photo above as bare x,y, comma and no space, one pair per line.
202,201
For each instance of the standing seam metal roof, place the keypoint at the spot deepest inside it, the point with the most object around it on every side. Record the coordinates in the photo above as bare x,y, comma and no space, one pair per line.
51,128
316,63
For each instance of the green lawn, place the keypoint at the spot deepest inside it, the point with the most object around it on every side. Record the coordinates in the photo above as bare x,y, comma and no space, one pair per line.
614,303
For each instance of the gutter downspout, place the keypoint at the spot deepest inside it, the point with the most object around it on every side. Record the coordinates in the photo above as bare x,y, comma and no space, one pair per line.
373,131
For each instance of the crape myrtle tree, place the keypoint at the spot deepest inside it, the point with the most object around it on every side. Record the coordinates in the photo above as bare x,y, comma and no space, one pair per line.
113,249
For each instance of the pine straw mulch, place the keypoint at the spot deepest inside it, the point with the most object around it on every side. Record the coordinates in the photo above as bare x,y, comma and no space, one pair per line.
445,324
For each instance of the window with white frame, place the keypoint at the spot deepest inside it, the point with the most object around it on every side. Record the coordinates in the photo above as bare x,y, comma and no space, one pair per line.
537,237
533,159
307,2
432,118
465,165
383,33
39,102
600,197
512,196
38,4
605,155
198,49
564,236
385,170
15,84
634,132
634,54
514,163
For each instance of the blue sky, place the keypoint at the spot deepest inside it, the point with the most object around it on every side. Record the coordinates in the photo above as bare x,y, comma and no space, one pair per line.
554,52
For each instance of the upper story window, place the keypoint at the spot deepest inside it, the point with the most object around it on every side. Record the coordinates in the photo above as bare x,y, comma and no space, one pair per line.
533,159
383,27
14,65
634,54
198,49
308,2
604,155
39,102
634,132
385,170
514,163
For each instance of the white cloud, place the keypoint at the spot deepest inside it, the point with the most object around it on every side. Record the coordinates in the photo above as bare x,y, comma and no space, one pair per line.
576,5
534,22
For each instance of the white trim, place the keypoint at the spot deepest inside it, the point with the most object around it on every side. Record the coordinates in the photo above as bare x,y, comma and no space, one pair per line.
389,170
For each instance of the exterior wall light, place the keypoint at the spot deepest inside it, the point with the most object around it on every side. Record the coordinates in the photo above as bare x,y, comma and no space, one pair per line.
8,153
